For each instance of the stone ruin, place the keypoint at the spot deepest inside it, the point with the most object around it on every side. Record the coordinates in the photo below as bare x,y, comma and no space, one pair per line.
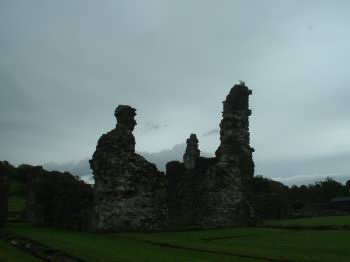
183,184
129,193
192,152
57,199
216,192
51,198
225,190
3,191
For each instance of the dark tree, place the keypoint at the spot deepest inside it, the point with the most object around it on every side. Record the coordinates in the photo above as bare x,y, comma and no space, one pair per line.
4,170
348,186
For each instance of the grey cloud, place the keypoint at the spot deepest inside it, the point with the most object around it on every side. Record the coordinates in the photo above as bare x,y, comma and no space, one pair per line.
291,172
151,126
211,132
65,65
80,168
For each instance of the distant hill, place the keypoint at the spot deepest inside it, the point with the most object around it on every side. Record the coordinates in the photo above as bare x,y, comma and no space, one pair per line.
306,170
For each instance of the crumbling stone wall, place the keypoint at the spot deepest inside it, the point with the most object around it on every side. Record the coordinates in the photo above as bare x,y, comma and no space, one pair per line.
129,192
225,196
57,199
186,187
3,191
184,179
175,172
216,192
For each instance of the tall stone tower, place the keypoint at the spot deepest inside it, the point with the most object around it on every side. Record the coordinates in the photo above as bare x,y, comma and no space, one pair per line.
192,152
234,130
225,188
129,192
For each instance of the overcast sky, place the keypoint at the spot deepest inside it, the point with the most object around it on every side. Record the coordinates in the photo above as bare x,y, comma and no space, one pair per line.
65,66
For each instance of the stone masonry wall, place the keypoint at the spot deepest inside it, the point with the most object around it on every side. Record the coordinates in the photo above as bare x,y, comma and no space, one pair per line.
57,199
129,192
225,194
216,192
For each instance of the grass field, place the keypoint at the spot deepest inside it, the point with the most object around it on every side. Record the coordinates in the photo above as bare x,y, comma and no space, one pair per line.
315,221
240,244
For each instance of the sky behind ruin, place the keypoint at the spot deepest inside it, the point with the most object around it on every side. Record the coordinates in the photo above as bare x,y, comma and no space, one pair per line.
65,65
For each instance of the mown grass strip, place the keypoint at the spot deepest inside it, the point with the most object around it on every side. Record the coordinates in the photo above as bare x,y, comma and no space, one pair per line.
307,227
226,253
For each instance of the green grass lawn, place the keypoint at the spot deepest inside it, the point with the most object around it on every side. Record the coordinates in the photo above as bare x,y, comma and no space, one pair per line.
314,221
207,245
262,242
111,247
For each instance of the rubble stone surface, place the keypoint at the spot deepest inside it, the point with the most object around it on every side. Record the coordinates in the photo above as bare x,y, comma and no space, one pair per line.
225,191
129,193
192,153
216,192
57,199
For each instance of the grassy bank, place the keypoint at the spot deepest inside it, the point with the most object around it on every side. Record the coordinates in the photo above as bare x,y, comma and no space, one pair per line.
243,244
314,221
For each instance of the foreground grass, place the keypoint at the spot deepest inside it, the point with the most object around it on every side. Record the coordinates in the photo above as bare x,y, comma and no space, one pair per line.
207,245
271,243
12,254
314,221
112,247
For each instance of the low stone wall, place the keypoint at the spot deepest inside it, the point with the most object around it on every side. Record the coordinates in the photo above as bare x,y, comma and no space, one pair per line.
179,194
183,189
57,199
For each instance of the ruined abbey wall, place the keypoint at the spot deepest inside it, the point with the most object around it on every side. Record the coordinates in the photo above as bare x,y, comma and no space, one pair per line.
216,192
57,199
225,194
184,179
129,193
